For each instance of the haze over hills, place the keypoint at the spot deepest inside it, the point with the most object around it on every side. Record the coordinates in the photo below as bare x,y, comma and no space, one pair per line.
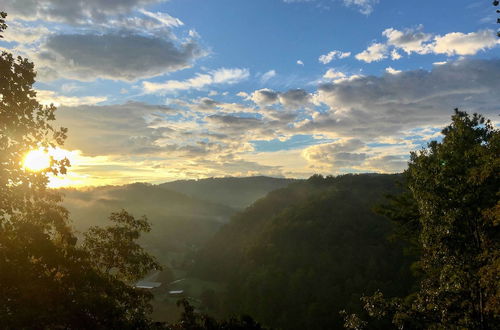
183,214
234,192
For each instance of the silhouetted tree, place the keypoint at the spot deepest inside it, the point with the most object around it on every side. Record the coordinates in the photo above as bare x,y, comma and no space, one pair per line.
192,320
46,280
114,248
455,184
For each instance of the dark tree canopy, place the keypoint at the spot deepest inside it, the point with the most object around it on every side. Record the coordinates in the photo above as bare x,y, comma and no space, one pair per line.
47,280
455,185
296,258
114,249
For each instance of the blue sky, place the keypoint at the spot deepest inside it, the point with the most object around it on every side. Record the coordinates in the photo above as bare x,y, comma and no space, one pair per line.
157,90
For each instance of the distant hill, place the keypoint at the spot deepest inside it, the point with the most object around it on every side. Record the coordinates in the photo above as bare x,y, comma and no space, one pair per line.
237,193
297,257
183,214
179,222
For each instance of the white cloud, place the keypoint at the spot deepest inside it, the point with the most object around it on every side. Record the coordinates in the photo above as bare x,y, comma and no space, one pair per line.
69,87
163,18
365,6
409,40
268,75
229,76
457,43
112,129
375,52
395,55
264,97
415,41
391,70
201,80
373,121
332,74
299,62
386,105
71,11
23,33
47,97
334,54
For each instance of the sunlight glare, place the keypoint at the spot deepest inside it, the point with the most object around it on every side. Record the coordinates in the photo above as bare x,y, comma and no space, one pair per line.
36,160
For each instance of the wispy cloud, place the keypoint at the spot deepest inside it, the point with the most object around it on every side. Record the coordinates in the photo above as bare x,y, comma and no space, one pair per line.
267,76
201,80
334,54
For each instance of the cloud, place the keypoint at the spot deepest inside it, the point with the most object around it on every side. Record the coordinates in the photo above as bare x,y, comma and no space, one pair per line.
201,80
375,52
125,129
165,19
50,97
409,40
337,154
268,75
391,70
387,105
299,62
264,97
351,154
292,99
332,74
415,41
365,6
457,43
334,54
72,12
395,55
124,56
23,33
387,163
372,123
295,98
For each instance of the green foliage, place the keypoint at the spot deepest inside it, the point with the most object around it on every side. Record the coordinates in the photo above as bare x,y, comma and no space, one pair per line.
296,258
455,184
114,248
25,125
46,280
191,320
3,25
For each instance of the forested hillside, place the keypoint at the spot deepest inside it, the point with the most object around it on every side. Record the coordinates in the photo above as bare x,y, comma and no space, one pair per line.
138,91
298,257
234,192
183,214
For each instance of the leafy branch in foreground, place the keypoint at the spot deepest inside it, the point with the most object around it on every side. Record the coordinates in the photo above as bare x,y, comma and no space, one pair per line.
455,184
47,280
114,248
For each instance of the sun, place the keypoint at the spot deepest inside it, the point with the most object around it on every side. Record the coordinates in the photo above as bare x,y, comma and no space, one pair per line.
36,160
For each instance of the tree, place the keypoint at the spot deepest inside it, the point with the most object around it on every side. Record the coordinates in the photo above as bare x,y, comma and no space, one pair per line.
115,250
46,279
455,184
192,320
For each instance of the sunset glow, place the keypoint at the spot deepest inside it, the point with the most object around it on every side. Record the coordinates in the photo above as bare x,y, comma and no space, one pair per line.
155,91
36,160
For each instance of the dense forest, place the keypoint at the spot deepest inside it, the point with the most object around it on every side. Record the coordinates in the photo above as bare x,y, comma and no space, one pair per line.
417,250
298,257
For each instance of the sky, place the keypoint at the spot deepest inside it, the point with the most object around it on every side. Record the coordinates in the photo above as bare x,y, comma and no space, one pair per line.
155,91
